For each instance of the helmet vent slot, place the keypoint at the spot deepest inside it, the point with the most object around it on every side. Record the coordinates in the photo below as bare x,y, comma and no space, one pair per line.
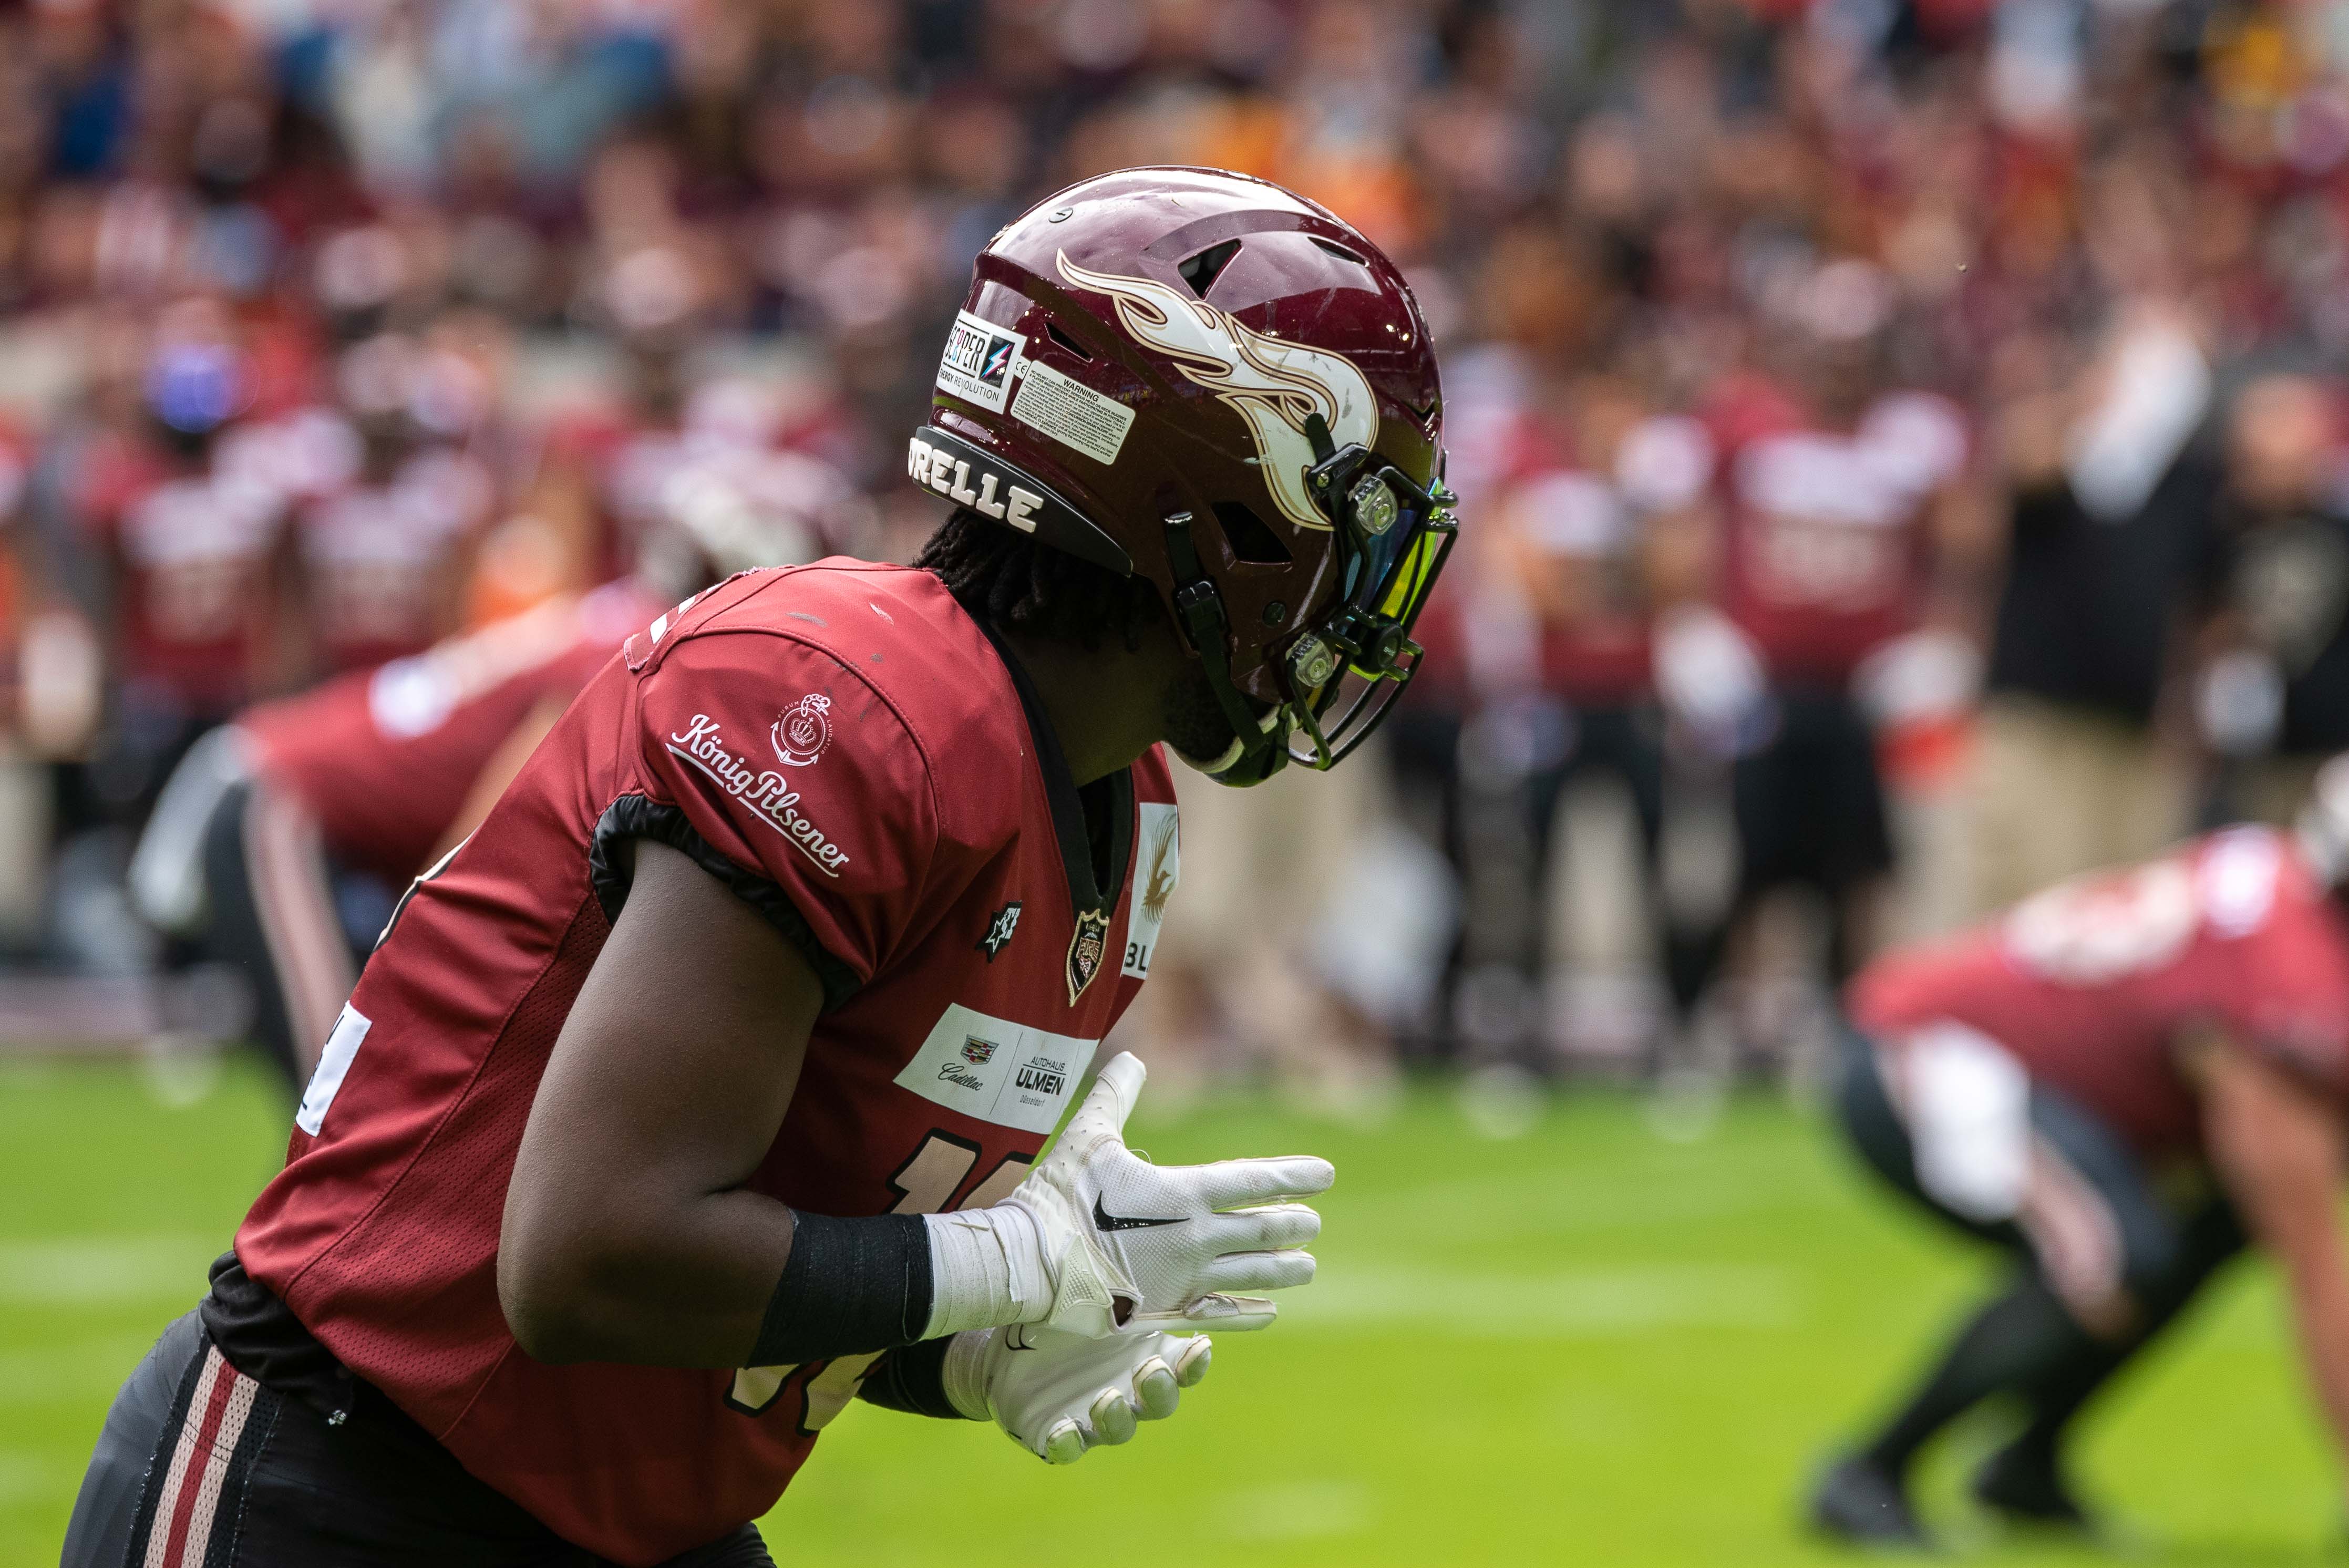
1337,250
1052,330
1250,539
1202,270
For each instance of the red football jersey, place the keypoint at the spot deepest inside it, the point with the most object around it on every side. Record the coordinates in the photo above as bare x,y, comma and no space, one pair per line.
383,759
1824,546
379,561
846,747
2094,984
192,555
1601,658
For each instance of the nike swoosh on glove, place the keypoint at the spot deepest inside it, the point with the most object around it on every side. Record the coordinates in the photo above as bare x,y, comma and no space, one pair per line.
1058,1395
1140,1247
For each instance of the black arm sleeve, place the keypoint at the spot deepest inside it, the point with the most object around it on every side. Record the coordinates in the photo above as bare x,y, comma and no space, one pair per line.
850,1287
912,1379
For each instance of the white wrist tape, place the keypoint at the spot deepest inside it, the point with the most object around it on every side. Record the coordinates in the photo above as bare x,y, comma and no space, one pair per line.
986,1269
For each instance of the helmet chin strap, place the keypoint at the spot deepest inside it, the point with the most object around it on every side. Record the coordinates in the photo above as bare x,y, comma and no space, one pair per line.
1259,747
1223,765
1212,766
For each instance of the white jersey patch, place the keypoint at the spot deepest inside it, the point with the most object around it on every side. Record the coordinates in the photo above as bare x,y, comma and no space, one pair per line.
995,1071
349,1034
1157,868
980,363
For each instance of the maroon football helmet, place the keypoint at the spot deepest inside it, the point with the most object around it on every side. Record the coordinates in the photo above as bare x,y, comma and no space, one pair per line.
1203,379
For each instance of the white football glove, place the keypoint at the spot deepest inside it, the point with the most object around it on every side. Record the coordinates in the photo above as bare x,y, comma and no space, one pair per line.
1060,1394
1135,1247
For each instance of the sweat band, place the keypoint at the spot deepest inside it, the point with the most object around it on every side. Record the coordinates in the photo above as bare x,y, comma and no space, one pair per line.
850,1287
912,1379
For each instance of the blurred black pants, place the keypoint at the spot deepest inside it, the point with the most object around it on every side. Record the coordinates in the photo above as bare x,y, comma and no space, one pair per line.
2171,1248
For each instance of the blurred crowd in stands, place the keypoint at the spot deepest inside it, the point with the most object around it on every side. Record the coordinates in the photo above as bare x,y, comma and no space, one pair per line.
1901,440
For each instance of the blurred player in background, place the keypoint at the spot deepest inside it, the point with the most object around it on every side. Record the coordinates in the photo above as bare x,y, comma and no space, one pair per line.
600,471
185,540
1837,515
382,550
2117,1083
701,1089
1580,554
282,840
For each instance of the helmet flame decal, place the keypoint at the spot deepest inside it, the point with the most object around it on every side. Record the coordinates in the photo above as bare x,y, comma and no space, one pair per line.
1273,384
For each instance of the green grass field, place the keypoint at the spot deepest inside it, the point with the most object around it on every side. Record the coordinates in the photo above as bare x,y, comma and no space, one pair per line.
1582,1345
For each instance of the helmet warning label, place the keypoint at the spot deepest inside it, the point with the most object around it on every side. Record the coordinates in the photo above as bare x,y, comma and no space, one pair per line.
1072,413
980,363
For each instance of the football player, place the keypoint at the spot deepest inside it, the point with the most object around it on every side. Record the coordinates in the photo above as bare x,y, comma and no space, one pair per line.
383,554
2117,1083
183,538
1841,515
700,1091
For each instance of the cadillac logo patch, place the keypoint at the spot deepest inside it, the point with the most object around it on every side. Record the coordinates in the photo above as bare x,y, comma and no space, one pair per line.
1085,949
977,1052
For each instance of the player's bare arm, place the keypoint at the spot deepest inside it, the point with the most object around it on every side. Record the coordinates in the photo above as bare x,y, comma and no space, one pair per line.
2281,1148
628,1236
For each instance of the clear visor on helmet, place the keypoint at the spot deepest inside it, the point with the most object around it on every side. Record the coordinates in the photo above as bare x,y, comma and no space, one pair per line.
1345,672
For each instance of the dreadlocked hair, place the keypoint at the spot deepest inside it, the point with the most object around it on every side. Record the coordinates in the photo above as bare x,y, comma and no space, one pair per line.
1014,584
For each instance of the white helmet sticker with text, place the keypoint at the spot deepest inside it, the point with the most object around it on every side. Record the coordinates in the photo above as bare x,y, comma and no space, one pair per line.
980,363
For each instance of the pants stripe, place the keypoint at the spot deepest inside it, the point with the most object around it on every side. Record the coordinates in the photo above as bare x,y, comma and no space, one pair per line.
234,1412
169,1523
229,1517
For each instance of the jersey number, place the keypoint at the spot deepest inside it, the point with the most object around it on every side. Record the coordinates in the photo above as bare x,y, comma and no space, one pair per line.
2098,929
923,1184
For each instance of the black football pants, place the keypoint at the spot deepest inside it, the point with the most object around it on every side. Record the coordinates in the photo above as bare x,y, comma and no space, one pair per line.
2169,1251
201,1467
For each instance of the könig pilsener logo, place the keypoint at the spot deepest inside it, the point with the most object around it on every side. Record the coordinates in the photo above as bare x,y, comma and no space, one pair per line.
803,730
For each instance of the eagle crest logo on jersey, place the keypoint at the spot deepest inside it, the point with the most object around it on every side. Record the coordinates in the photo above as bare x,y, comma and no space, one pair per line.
999,927
1160,888
801,731
1085,949
1270,383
